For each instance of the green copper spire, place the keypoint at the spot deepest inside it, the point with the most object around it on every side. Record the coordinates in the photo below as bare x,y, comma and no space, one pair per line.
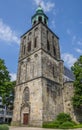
39,16
39,9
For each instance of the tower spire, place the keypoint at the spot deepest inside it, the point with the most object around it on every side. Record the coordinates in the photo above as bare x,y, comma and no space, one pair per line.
39,16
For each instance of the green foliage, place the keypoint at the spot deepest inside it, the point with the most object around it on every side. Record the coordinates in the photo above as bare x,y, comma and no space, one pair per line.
6,86
4,127
77,70
4,74
66,125
51,124
63,117
63,120
78,126
10,98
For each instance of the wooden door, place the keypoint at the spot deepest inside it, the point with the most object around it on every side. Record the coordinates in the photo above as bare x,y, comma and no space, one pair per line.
25,119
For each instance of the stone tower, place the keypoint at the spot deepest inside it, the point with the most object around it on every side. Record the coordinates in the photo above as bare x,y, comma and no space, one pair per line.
38,92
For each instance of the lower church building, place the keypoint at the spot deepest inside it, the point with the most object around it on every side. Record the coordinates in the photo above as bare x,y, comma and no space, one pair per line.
43,90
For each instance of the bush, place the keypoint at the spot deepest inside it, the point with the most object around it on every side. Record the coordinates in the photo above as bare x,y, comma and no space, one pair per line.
67,125
4,127
63,120
78,126
63,117
51,124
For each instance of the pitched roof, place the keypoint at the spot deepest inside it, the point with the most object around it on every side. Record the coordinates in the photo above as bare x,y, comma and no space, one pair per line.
68,73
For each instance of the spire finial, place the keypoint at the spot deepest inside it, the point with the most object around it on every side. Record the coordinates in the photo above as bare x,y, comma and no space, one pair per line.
39,5
39,16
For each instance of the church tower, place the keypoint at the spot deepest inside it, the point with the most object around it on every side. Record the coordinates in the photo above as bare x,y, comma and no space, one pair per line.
38,92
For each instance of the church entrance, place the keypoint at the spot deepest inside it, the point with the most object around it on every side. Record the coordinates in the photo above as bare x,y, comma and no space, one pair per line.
25,118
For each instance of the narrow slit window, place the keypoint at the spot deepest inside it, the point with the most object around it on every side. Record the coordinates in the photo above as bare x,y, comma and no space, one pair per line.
54,49
29,46
35,42
24,49
48,46
53,71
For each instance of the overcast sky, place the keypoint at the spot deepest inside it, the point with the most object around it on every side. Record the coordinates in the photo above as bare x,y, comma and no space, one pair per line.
65,19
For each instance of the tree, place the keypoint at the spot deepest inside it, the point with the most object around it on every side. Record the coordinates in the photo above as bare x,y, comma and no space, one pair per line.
77,70
6,86
10,98
4,74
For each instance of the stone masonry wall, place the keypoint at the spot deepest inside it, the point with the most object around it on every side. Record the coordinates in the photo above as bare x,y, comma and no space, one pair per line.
68,92
40,70
29,38
35,103
47,37
29,68
51,68
52,100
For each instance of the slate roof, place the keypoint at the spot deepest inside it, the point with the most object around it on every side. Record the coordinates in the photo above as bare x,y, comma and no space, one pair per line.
68,73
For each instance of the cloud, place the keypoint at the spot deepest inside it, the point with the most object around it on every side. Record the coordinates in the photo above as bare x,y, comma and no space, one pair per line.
68,32
73,39
13,76
7,34
79,42
78,50
47,6
69,59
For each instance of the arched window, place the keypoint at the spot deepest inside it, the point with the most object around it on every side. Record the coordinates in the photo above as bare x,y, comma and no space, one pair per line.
26,94
40,19
34,22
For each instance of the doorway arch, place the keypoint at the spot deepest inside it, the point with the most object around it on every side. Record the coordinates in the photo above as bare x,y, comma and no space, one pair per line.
25,114
25,107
